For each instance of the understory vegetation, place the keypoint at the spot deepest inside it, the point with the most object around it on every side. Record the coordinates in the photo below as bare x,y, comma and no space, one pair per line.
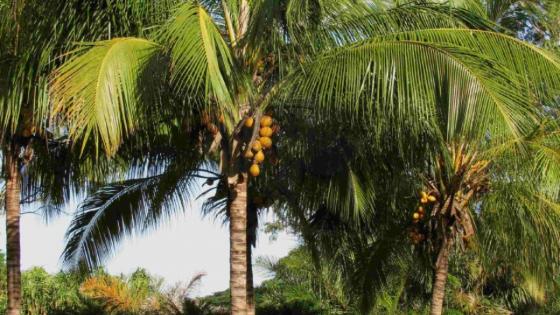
297,286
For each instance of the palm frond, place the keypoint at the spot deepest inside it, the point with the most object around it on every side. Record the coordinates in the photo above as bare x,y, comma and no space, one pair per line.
201,61
400,84
98,91
120,209
521,226
539,67
301,28
34,36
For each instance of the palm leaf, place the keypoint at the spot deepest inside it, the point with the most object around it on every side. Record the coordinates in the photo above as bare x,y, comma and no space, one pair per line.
119,209
396,83
98,92
302,28
539,67
201,59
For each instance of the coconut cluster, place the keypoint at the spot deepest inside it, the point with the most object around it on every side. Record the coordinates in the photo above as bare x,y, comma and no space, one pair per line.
262,143
426,201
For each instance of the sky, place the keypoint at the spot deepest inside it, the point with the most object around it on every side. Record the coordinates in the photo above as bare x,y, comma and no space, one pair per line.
176,251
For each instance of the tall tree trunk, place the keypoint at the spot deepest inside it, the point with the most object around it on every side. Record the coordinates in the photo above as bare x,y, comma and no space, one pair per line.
241,273
250,288
440,279
238,244
13,252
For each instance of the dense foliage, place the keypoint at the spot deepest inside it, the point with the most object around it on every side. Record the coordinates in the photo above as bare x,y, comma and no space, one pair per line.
78,293
297,286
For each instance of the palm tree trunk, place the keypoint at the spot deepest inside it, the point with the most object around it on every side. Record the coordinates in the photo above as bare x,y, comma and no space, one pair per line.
250,287
13,249
440,279
238,245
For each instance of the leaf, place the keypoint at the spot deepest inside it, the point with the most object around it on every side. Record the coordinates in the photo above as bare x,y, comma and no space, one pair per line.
122,208
406,81
201,62
99,90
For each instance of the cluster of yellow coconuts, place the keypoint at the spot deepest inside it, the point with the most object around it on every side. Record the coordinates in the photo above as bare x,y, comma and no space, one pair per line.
425,199
416,233
263,142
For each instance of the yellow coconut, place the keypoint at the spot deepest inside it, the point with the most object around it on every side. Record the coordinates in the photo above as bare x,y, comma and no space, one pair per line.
254,170
424,200
416,216
257,146
249,154
249,122
265,132
266,142
259,157
266,121
432,198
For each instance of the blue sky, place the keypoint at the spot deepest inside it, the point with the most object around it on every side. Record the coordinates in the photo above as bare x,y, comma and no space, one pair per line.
177,250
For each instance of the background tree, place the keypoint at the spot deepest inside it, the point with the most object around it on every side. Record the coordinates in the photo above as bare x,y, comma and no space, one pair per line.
32,36
533,20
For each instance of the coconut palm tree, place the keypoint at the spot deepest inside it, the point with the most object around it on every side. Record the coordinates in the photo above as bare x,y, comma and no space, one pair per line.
346,197
517,155
508,213
216,67
32,36
473,179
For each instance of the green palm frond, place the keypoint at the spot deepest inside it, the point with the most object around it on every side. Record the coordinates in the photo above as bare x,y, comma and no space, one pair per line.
538,154
539,67
201,61
59,175
378,80
99,93
522,226
101,89
325,177
545,150
281,29
520,216
474,6
216,203
303,16
35,36
355,25
122,208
